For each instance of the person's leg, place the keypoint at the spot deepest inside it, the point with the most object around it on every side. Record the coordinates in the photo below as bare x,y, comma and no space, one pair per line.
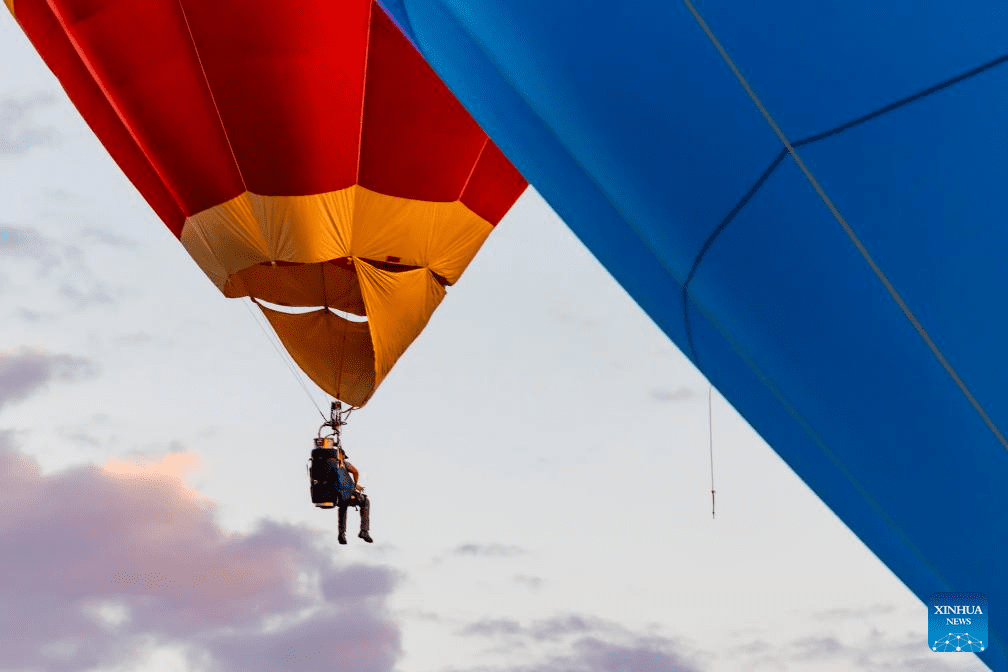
365,517
342,523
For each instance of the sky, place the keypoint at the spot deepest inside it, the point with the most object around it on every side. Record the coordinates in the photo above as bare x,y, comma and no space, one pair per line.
538,461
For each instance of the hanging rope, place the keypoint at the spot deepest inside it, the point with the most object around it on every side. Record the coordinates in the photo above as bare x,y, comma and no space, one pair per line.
338,417
710,434
339,365
284,356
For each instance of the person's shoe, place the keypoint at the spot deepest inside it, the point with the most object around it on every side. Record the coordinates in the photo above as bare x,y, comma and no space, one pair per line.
342,538
366,537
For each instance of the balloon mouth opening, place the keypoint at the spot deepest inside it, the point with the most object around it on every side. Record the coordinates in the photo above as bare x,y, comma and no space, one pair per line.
300,310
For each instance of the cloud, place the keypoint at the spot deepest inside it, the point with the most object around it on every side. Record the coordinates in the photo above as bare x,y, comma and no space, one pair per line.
24,373
530,582
848,613
172,468
92,235
817,648
97,294
488,550
583,644
102,565
137,338
565,315
33,316
867,651
665,395
593,655
576,643
27,243
493,628
18,132
552,629
77,284
558,628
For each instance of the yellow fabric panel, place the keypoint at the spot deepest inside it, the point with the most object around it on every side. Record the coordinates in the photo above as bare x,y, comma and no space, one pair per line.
251,229
386,226
310,238
456,237
10,6
307,229
332,284
398,307
225,239
441,236
335,353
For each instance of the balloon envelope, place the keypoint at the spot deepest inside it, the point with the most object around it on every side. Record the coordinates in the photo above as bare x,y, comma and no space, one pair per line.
304,154
807,198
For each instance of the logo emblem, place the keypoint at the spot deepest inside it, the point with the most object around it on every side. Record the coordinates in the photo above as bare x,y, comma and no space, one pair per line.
957,622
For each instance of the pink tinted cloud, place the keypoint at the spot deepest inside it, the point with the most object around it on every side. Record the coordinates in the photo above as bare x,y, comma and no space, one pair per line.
96,564
173,468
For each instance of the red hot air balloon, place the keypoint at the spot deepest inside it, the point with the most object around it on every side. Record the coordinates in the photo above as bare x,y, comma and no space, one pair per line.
303,153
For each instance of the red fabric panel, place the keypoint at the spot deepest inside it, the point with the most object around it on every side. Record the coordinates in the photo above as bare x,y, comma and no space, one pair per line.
288,82
418,141
142,56
46,34
494,185
288,78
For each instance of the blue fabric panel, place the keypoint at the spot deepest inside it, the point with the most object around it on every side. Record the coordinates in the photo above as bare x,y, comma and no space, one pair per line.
923,186
627,120
816,65
826,333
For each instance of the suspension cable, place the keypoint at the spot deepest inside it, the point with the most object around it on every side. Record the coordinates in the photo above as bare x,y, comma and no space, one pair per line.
710,434
284,356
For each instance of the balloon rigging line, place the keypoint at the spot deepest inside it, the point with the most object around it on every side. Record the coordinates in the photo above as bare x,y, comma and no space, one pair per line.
283,356
847,228
710,434
836,130
828,453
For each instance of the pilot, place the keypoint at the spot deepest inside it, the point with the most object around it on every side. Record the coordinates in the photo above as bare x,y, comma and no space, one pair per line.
356,498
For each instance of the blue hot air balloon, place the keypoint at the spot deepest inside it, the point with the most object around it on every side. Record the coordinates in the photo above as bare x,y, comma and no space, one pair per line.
808,198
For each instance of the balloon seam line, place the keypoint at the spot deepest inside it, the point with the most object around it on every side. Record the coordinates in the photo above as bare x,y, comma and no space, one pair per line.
86,62
849,230
196,226
213,98
969,74
472,170
836,130
364,88
709,242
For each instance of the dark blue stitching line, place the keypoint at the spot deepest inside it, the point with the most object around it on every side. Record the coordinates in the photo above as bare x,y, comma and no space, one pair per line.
780,157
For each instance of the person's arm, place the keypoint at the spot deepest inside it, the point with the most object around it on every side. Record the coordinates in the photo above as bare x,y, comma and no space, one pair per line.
353,472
